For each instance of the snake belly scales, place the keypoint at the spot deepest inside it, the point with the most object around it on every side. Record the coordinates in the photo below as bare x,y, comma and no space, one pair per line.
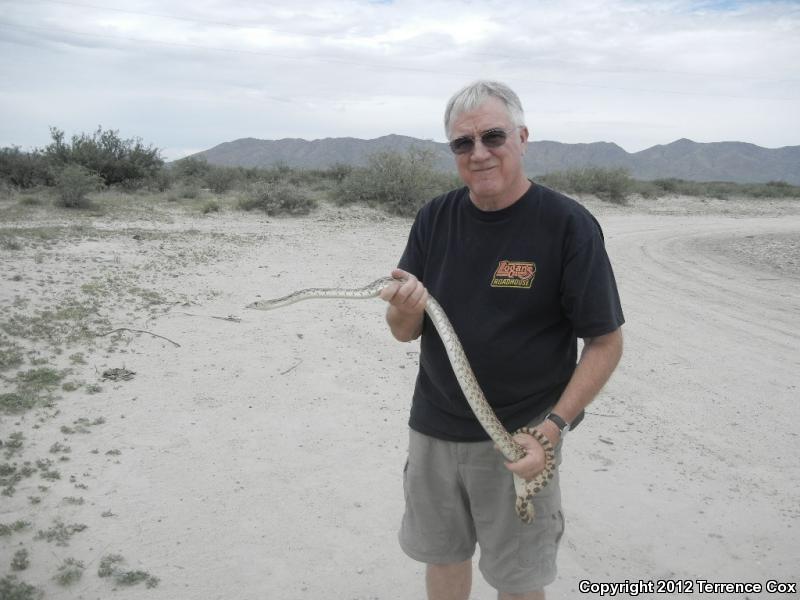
525,490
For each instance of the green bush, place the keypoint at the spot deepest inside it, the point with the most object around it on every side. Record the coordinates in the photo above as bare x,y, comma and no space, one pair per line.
276,199
613,185
69,572
115,160
29,200
210,206
670,185
13,589
73,183
188,190
23,169
716,189
400,183
221,179
161,181
190,168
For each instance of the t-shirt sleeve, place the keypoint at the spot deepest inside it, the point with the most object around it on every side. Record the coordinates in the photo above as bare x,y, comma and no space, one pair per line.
413,258
589,295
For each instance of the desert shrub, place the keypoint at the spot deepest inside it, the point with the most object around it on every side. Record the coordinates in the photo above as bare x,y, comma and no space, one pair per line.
13,589
28,200
69,572
190,168
210,206
716,189
161,181
73,183
221,179
400,183
338,172
199,173
771,189
7,190
670,185
188,190
130,186
276,199
110,566
23,169
274,174
114,159
20,561
613,185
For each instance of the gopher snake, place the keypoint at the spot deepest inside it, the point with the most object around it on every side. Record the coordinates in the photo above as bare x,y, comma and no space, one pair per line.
466,379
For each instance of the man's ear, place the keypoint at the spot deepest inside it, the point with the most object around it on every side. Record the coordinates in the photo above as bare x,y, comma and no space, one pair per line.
523,137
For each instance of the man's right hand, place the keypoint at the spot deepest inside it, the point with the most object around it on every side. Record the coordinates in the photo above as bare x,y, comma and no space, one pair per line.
407,299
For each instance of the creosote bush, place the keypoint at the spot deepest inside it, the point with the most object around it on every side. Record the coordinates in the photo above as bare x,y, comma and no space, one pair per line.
716,189
73,183
276,199
400,183
613,185
24,170
114,159
221,179
210,206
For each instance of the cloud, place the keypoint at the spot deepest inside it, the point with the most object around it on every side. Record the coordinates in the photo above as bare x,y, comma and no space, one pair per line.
191,75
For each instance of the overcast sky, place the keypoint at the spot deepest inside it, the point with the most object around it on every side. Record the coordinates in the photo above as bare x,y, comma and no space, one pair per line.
185,76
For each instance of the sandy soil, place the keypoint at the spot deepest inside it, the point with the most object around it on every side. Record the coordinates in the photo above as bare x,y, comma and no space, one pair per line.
261,458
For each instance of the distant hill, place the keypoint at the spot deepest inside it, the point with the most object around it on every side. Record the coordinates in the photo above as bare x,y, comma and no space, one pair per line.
718,161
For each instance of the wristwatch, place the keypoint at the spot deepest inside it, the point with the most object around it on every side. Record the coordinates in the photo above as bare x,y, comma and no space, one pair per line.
562,425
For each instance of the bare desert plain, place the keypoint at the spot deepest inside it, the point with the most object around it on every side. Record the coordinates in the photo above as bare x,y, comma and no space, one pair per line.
188,448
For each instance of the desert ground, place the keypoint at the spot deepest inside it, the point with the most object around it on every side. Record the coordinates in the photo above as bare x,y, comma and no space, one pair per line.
233,453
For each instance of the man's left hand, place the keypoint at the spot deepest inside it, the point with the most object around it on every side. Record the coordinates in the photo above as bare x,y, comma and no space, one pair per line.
530,465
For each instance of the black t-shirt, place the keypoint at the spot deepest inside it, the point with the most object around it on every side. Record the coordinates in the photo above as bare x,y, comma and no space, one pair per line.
519,285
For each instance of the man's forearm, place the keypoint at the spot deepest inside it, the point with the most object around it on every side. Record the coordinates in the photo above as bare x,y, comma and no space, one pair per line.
598,360
404,327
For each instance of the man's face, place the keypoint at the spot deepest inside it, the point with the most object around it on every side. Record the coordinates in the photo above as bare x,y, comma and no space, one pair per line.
493,175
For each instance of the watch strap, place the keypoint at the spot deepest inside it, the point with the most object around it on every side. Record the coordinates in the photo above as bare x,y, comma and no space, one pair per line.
562,425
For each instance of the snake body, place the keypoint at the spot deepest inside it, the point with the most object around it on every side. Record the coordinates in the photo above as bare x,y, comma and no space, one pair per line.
476,399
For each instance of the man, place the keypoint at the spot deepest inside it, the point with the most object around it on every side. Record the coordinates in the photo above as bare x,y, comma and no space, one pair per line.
522,272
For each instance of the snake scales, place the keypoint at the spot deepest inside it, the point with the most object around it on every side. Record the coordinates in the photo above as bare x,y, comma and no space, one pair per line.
525,490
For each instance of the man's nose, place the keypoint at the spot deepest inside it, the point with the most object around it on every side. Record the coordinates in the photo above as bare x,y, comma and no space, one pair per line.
480,152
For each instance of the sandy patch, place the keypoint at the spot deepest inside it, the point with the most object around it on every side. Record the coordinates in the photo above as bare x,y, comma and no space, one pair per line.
261,456
777,253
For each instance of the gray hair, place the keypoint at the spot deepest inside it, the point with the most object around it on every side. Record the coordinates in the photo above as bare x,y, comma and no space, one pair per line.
478,92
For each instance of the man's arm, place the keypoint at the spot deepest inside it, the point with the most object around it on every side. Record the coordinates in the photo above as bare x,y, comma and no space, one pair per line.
407,300
598,360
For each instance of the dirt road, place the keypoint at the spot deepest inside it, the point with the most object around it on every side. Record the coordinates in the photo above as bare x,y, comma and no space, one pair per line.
262,458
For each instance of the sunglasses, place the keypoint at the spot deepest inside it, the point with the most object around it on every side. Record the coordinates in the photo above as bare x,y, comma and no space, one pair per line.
493,138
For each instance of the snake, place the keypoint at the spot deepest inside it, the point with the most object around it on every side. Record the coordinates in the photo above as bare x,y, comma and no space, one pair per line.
506,444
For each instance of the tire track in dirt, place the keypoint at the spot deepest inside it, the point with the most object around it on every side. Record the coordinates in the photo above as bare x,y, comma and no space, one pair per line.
701,473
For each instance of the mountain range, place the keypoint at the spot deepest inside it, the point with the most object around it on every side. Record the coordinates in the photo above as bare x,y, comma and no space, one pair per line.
684,159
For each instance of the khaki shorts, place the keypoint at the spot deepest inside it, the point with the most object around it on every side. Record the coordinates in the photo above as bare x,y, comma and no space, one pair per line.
459,494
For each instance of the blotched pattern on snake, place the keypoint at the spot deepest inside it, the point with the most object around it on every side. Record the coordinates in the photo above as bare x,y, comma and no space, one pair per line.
477,401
